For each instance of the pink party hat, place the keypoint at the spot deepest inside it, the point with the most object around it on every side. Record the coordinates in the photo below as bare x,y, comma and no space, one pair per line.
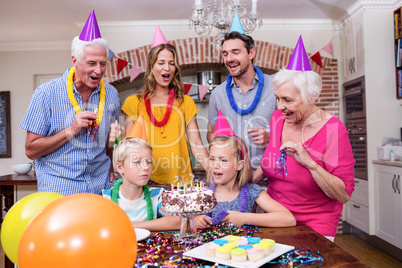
91,29
222,126
158,38
236,24
299,60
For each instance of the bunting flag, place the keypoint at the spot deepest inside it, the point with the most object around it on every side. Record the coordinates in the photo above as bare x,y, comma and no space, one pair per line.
202,90
135,71
111,54
317,58
328,48
187,88
120,65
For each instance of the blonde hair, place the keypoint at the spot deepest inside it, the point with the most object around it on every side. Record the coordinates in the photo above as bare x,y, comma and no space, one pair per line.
149,79
245,173
127,146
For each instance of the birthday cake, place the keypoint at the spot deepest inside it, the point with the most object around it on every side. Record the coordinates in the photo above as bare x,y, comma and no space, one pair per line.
191,200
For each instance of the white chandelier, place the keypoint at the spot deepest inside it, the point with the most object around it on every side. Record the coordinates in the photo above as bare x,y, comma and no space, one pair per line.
221,16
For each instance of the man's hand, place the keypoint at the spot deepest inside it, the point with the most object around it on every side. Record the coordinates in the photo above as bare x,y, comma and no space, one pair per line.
259,135
81,120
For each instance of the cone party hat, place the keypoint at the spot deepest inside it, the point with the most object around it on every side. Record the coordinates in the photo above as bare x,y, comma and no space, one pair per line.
236,24
91,29
159,38
299,60
222,126
138,130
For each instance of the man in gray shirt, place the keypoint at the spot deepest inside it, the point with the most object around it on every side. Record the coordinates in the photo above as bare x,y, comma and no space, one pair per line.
247,97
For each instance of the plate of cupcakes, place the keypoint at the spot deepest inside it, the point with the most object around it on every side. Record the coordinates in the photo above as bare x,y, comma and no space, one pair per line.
237,251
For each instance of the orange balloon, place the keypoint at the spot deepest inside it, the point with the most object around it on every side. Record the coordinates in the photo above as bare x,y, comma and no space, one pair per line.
80,230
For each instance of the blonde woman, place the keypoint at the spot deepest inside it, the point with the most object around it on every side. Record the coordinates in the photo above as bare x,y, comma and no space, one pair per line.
170,118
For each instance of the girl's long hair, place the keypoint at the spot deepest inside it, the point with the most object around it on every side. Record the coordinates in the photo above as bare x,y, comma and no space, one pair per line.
149,79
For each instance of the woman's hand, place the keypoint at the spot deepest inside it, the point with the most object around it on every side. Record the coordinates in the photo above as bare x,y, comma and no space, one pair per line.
203,221
115,132
297,151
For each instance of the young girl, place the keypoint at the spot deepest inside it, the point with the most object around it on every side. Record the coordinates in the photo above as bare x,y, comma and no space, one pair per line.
133,160
229,167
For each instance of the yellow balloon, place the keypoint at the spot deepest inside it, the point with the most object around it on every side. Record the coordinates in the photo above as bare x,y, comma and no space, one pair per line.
17,219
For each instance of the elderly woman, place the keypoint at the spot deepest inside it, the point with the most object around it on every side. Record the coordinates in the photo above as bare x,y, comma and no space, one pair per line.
318,178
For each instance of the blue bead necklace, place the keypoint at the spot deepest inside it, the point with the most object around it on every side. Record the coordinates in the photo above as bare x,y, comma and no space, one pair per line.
257,96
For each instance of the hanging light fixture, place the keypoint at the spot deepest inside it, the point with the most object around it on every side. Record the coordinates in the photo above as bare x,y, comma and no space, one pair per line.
203,20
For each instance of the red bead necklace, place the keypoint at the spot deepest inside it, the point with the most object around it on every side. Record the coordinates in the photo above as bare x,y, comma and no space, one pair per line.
168,109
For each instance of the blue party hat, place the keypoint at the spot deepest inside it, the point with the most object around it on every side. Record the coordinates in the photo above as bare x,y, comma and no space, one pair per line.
236,24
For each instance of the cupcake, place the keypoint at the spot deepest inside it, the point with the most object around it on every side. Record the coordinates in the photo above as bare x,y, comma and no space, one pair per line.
269,242
233,238
242,242
253,240
245,247
223,252
231,245
238,255
255,254
264,247
220,242
210,249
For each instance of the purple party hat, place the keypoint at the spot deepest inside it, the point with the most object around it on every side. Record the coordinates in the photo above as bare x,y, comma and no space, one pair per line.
159,38
299,60
91,29
236,24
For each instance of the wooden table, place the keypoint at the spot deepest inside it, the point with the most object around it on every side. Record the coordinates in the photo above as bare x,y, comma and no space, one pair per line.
7,184
302,236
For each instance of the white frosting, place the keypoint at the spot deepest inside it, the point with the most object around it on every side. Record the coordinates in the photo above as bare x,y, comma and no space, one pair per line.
192,202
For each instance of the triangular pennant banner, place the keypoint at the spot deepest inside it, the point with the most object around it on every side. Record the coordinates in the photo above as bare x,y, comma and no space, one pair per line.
187,88
202,90
317,58
111,54
120,65
135,71
328,48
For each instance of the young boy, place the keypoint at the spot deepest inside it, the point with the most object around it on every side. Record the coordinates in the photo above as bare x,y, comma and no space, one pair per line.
132,158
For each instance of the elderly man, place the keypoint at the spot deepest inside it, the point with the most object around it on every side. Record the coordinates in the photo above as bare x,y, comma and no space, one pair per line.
68,121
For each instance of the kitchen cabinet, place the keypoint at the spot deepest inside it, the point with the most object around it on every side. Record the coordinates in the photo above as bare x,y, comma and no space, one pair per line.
353,53
388,204
356,209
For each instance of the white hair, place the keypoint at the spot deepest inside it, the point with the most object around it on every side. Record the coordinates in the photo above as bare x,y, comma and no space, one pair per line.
78,46
308,83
